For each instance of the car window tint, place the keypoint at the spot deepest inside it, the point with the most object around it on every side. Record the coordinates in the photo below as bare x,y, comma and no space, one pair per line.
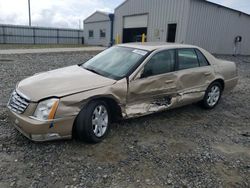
202,60
160,63
187,59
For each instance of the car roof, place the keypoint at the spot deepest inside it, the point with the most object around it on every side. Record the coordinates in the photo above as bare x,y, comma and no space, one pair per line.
151,46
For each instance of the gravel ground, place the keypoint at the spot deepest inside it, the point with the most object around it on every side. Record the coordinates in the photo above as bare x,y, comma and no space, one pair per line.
185,147
51,50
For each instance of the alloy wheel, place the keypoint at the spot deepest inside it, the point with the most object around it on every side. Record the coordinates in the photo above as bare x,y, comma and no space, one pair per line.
100,120
213,95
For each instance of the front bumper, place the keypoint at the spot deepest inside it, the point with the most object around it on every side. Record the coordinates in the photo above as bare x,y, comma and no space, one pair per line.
40,131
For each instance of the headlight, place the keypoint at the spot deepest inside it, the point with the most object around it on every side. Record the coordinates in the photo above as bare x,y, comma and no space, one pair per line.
46,109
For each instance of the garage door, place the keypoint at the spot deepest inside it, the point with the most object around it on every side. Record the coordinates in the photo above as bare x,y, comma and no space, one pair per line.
135,21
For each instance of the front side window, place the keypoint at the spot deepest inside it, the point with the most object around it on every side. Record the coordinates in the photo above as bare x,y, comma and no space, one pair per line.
102,33
116,62
187,59
91,33
161,63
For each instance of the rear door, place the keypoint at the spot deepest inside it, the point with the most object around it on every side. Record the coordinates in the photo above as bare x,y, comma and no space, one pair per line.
194,75
156,86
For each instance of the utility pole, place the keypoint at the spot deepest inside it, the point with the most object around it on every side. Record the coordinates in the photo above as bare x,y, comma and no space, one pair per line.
29,13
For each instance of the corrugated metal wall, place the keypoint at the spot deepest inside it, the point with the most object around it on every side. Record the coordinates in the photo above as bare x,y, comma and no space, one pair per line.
201,23
14,34
215,28
160,14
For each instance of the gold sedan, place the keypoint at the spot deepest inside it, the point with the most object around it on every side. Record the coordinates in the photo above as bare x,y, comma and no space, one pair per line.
124,81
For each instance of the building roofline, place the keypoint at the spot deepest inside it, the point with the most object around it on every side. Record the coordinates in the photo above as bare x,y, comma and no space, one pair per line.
205,1
105,13
121,4
100,12
222,6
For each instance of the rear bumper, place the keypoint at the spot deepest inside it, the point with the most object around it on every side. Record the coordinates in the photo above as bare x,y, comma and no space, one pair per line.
40,131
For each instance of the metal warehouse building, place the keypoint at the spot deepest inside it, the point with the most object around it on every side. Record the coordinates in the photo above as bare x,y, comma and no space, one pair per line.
216,28
98,29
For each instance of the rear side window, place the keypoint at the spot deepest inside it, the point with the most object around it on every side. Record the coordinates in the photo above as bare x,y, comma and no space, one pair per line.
202,60
187,59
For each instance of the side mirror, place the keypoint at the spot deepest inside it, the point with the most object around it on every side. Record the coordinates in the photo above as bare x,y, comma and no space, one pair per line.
139,75
142,75
146,73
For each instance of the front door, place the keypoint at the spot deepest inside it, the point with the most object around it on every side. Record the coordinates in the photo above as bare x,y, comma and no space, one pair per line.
171,32
156,87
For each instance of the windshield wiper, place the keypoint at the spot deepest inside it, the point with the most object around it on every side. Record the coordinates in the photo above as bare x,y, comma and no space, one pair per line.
92,70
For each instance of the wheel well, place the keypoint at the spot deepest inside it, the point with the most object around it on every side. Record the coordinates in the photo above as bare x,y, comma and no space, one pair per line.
221,82
115,109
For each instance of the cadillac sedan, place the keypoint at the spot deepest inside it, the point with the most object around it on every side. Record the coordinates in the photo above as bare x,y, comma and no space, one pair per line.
124,81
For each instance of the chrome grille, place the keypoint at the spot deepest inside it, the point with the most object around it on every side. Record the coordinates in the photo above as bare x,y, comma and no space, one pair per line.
18,103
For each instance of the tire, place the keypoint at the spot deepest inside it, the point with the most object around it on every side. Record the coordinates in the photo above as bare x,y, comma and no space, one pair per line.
212,95
92,125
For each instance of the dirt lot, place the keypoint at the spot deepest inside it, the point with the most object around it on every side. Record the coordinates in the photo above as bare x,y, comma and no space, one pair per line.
185,147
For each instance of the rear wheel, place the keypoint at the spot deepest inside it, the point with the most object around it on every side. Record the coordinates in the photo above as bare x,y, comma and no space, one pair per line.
92,123
212,95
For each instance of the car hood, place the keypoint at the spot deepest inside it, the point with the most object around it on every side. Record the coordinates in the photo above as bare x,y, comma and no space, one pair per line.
61,82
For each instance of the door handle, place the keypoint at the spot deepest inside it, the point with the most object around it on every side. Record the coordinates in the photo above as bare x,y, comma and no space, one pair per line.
169,81
207,73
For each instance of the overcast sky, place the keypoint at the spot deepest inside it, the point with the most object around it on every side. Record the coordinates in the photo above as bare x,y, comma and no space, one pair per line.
67,13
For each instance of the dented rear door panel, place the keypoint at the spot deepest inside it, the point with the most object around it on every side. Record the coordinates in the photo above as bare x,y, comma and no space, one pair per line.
162,92
192,84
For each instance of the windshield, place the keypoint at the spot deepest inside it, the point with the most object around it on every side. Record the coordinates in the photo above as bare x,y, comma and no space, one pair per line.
115,62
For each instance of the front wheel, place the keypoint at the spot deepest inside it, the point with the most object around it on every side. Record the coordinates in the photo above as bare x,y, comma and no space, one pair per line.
212,95
92,123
